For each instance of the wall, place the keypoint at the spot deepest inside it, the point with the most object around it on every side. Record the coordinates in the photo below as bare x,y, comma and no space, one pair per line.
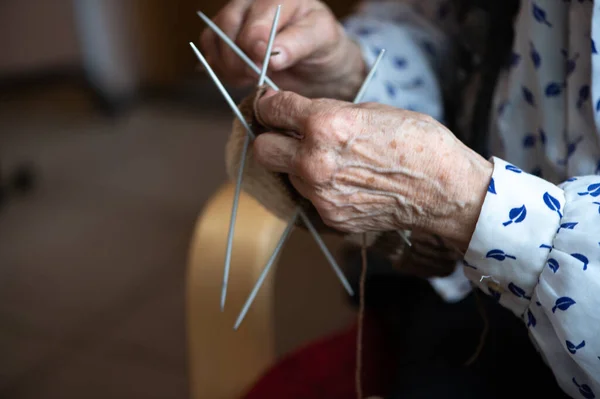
37,34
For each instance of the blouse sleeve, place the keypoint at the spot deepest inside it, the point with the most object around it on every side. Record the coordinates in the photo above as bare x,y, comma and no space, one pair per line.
536,250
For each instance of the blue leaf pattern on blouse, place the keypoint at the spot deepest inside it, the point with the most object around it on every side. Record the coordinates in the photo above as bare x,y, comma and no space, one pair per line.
365,31
400,62
535,56
492,187
517,291
573,347
498,254
584,390
540,15
391,90
594,51
583,259
513,168
593,190
552,203
563,303
529,141
376,50
528,96
502,107
553,89
568,226
530,319
553,265
516,215
571,63
542,135
514,59
584,95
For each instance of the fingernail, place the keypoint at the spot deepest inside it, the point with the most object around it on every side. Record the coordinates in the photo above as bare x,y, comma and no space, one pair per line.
278,58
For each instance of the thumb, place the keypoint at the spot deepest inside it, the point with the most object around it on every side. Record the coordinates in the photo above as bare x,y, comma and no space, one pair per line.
314,35
254,34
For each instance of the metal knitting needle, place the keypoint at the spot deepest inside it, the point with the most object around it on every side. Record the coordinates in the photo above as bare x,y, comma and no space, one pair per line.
234,48
365,85
238,185
265,271
263,72
222,89
402,234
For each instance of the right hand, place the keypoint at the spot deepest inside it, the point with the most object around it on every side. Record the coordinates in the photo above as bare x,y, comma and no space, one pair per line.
316,58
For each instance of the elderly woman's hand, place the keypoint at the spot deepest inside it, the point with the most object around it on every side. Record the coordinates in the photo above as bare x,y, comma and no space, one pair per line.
371,167
313,55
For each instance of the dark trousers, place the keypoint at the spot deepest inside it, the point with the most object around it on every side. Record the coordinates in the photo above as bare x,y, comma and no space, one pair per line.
433,340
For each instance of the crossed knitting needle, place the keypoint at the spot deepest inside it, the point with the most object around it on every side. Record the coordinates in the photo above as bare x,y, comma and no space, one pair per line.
298,212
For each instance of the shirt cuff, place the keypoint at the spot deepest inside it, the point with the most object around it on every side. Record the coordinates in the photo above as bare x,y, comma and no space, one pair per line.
519,220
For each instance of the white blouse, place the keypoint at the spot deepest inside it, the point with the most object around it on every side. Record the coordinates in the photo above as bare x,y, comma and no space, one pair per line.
536,247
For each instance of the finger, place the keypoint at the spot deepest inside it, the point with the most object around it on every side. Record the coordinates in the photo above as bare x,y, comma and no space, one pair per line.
313,35
230,20
254,35
284,110
276,152
303,188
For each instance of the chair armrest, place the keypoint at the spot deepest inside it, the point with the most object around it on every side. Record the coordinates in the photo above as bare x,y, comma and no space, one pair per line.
225,363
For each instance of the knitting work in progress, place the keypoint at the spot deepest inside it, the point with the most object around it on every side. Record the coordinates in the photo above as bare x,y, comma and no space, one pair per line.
275,192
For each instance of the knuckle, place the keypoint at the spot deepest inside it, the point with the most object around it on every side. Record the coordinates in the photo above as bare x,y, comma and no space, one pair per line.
330,124
318,124
316,169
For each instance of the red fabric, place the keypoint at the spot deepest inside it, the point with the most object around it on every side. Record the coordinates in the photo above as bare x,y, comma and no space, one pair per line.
326,368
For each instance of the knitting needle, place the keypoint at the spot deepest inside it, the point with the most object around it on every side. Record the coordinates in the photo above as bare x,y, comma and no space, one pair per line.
238,185
365,85
263,72
234,48
266,269
222,89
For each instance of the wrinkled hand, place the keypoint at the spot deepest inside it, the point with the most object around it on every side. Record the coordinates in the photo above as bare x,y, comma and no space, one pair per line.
315,56
371,167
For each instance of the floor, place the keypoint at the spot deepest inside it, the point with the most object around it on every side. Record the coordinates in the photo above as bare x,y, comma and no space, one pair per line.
92,261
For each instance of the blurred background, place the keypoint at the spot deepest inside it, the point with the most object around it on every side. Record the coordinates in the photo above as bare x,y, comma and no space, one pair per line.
111,142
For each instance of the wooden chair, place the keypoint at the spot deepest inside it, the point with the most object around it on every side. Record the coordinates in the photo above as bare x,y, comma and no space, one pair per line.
224,363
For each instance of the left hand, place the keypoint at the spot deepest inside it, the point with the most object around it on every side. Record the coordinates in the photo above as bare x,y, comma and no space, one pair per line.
372,167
